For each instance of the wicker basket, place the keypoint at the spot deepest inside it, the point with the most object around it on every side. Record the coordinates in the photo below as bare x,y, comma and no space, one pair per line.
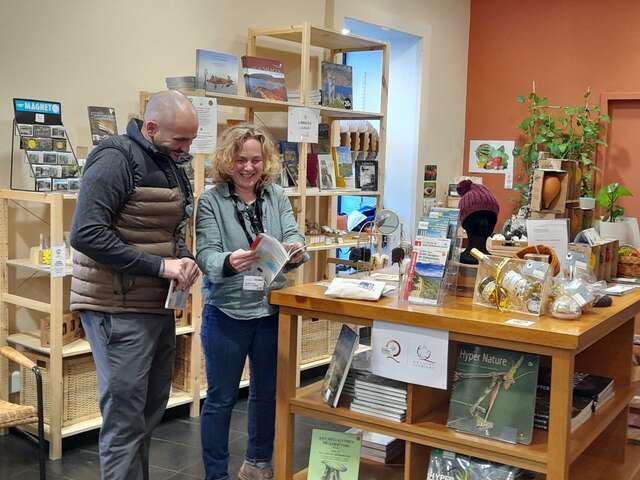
628,266
182,371
315,339
80,399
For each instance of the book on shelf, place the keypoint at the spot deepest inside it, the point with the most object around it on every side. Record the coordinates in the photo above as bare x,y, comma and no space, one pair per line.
314,97
378,396
494,393
376,412
334,455
593,387
102,123
312,169
581,410
283,178
366,175
337,85
445,465
181,83
343,166
324,138
377,447
327,173
216,72
426,270
290,161
272,256
264,78
334,379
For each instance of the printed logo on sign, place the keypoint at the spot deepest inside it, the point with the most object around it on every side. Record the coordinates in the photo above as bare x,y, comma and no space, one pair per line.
366,285
392,350
37,107
424,357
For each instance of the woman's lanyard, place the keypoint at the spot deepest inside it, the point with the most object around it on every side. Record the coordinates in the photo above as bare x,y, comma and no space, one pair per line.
254,213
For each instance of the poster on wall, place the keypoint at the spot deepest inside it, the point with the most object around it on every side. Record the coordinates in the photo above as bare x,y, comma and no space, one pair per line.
430,181
491,156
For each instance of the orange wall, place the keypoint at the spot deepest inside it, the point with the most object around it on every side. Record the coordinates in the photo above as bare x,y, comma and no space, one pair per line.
564,45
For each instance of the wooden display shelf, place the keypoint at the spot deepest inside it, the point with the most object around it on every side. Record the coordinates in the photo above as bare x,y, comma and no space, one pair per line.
31,341
344,114
185,330
176,399
338,192
26,263
432,430
321,247
321,37
569,346
370,471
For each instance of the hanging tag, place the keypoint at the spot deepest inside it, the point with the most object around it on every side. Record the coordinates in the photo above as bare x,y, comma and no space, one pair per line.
254,283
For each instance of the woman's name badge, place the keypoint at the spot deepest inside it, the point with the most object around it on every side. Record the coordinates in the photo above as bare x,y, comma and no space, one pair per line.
253,283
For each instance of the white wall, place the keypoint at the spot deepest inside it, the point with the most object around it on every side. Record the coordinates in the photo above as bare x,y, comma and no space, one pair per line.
90,52
444,27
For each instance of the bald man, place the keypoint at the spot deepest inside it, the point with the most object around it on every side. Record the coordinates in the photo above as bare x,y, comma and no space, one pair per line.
128,232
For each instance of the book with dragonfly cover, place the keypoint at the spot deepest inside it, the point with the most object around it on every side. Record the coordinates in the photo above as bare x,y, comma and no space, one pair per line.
494,393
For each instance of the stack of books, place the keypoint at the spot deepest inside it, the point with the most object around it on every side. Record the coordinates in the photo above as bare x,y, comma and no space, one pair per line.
181,83
379,448
380,397
590,392
313,98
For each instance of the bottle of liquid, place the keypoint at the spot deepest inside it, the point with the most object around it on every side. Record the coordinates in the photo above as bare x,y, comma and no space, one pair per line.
504,286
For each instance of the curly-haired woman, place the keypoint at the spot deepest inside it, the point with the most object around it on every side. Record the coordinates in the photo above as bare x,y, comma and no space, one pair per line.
237,319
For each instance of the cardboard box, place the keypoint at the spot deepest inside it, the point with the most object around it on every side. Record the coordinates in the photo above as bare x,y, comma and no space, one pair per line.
558,205
71,329
569,166
602,259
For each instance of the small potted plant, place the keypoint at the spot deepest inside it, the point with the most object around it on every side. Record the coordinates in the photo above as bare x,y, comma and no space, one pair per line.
612,224
581,133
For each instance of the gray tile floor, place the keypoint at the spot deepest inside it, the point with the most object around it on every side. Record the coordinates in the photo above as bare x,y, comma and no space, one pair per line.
175,449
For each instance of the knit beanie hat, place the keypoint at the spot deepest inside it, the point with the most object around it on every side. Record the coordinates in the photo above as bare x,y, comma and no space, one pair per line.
475,197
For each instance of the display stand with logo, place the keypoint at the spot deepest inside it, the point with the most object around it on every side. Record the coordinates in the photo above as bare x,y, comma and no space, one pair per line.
42,158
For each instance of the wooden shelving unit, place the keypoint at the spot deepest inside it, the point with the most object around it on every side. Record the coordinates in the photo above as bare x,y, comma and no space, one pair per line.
599,342
308,202
60,206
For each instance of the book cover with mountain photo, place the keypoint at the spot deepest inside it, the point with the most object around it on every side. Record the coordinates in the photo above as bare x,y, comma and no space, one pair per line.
216,72
426,271
337,85
494,393
264,78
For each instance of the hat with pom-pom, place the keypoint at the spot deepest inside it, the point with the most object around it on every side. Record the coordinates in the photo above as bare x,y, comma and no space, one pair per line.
474,198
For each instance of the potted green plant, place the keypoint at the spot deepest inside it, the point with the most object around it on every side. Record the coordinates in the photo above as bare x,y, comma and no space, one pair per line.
539,128
581,132
612,224
565,133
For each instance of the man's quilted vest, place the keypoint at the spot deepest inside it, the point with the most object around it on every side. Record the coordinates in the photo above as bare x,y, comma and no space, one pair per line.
149,220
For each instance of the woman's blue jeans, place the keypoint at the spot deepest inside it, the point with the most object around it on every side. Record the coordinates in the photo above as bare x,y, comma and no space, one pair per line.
226,342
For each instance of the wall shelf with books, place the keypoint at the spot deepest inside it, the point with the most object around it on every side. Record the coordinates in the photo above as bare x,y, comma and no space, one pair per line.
555,452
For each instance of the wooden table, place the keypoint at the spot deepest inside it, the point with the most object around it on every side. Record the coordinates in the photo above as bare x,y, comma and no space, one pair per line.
599,342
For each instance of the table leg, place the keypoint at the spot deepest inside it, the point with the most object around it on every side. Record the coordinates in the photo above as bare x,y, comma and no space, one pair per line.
562,363
285,390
